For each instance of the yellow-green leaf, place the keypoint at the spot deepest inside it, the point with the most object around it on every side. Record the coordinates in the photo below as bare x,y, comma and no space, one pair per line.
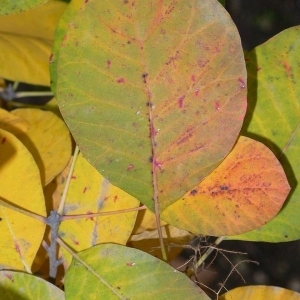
48,139
25,42
125,273
90,193
22,286
144,87
260,293
244,192
12,7
20,235
273,117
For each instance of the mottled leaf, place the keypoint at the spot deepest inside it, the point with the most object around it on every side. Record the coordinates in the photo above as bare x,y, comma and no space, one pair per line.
12,7
273,118
125,273
144,86
244,192
20,235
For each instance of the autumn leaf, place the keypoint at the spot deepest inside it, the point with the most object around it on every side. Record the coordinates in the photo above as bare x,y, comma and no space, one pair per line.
244,192
18,169
48,139
273,119
164,80
26,42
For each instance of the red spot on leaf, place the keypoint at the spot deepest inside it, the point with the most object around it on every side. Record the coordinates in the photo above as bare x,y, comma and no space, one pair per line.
17,248
108,63
73,177
193,192
153,132
157,164
217,105
242,83
180,101
287,68
75,242
115,198
3,140
85,189
130,264
130,167
196,92
193,78
50,58
121,80
9,276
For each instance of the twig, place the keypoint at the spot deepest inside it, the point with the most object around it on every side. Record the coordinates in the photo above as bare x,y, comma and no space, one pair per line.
66,188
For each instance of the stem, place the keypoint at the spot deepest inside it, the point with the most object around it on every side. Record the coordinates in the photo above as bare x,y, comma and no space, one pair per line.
6,204
33,94
72,217
66,188
208,252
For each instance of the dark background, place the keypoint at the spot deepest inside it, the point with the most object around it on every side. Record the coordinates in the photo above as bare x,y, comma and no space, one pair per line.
279,264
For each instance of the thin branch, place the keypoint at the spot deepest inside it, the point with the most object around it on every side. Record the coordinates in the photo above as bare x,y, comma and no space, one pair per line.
108,213
208,252
66,188
33,94
6,204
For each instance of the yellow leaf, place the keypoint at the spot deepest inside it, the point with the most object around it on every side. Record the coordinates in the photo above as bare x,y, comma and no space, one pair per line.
48,139
12,123
148,241
20,235
90,193
145,221
260,293
25,41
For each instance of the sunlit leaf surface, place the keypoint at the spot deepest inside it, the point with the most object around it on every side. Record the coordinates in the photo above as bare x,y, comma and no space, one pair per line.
156,95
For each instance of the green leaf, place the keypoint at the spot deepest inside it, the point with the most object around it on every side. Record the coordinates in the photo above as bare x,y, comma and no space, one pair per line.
273,117
12,7
155,96
22,286
119,272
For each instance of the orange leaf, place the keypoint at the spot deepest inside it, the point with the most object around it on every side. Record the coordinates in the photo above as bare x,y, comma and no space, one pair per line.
243,193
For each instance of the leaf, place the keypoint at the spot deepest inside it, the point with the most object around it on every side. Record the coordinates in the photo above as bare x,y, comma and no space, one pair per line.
164,80
273,118
60,31
48,140
148,241
125,273
26,46
260,293
244,192
9,7
90,193
12,123
21,186
21,286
